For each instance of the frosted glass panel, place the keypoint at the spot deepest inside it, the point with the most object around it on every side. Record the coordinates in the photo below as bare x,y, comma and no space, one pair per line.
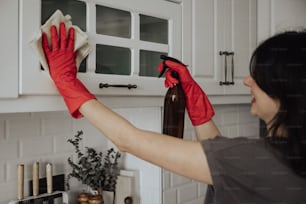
113,60
76,9
148,63
153,29
113,22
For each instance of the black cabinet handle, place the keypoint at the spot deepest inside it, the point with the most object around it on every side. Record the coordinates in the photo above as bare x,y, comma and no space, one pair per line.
129,86
227,54
233,69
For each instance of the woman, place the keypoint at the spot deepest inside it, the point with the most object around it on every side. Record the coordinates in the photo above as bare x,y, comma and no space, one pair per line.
240,170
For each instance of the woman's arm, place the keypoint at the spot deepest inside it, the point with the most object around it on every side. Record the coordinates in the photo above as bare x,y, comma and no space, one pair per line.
183,157
207,130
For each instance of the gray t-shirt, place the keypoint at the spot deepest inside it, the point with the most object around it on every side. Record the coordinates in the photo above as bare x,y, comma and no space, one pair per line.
247,171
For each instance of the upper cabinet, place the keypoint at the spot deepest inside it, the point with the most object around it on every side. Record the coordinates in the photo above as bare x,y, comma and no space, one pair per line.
219,38
279,16
127,38
9,49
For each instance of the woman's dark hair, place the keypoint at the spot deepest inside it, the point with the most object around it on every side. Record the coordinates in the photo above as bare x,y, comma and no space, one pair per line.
278,66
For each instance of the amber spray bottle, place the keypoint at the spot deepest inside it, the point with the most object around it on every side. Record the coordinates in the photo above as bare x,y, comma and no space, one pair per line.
174,105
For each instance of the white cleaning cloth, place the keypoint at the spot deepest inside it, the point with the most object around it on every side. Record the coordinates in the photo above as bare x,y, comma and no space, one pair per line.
81,38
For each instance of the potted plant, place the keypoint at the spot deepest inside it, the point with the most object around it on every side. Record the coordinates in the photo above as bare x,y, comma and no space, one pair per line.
92,168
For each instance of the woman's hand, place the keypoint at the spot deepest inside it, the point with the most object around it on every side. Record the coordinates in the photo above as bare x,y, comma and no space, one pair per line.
61,59
198,105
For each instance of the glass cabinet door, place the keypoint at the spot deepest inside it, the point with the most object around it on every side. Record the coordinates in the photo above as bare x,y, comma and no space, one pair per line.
117,23
113,22
126,38
149,60
113,59
76,9
153,29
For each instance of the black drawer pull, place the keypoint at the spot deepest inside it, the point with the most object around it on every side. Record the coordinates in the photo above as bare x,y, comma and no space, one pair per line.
129,86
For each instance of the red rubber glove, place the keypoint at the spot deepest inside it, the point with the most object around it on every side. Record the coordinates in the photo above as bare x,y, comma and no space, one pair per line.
63,70
198,106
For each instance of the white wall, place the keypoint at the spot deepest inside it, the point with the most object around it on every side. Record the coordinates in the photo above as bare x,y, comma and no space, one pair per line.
29,137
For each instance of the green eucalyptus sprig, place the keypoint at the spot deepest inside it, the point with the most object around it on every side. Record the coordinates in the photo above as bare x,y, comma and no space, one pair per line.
91,168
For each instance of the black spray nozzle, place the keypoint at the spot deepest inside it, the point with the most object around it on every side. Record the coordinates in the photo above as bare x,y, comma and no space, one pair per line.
174,74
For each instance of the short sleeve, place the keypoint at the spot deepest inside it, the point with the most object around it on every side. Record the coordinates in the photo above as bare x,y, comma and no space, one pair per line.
233,160
247,170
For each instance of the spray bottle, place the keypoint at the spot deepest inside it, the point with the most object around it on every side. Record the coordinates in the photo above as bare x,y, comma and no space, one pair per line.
174,105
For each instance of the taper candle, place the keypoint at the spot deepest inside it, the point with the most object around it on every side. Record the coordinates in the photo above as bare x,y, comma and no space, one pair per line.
49,178
20,175
35,178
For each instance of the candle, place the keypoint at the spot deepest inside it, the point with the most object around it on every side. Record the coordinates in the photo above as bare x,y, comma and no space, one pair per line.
20,175
49,178
35,178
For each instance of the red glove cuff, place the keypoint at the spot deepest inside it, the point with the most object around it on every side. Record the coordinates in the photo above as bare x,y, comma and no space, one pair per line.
198,105
75,94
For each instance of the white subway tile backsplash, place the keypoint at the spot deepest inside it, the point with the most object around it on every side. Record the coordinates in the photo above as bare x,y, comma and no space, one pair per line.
25,127
170,196
2,129
196,201
177,180
29,137
202,189
9,150
56,126
92,137
8,192
166,180
230,117
59,163
36,147
249,130
2,171
11,170
61,145
187,192
150,196
231,130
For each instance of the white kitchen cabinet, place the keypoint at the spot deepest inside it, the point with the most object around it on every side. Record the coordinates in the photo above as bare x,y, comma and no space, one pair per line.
9,49
211,26
126,36
279,16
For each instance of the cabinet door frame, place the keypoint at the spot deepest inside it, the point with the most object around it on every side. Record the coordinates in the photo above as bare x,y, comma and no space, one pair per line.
9,49
34,81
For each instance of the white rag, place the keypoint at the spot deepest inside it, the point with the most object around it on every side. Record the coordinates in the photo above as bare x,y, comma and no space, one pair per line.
80,38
